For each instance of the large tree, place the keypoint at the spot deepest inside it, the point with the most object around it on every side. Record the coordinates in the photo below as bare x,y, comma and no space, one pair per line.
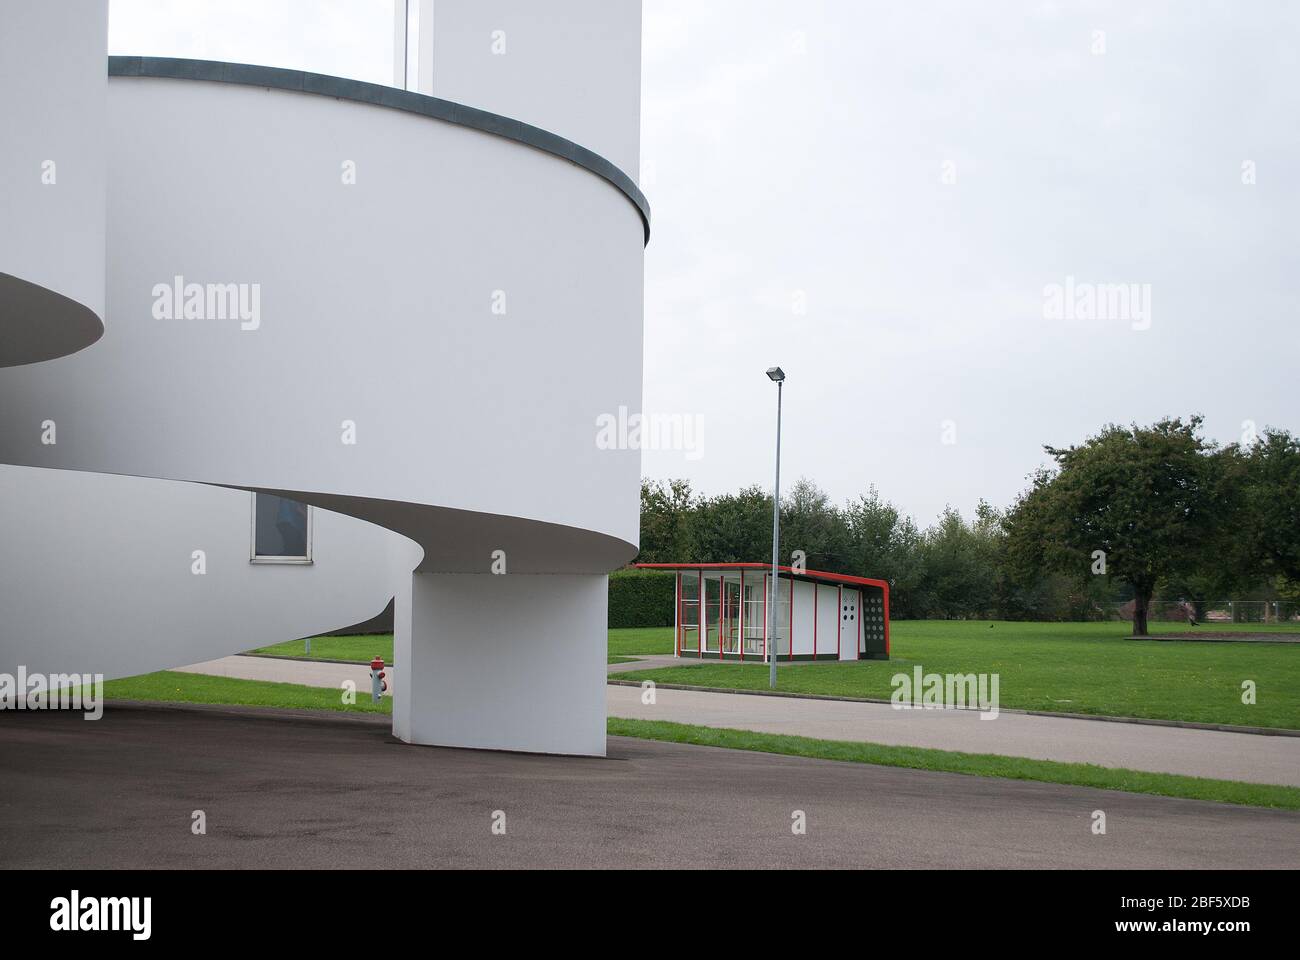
1271,518
812,524
1140,503
734,528
667,528
885,544
956,556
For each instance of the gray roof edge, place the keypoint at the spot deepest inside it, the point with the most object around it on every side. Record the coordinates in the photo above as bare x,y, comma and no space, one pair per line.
358,91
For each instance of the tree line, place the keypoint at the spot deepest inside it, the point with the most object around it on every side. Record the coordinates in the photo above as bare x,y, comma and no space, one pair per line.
1128,514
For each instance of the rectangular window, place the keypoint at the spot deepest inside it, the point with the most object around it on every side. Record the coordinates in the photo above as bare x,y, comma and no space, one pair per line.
690,625
712,613
755,609
281,530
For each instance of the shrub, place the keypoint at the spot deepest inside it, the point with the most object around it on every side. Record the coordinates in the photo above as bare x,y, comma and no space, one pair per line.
642,598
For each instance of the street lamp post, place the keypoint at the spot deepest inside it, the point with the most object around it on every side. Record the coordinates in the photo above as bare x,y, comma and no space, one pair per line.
777,376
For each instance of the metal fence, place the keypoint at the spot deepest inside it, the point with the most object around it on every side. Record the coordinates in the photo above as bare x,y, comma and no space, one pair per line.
1213,611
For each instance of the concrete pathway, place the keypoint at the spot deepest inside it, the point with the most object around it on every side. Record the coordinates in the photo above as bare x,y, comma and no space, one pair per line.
284,670
1197,753
650,662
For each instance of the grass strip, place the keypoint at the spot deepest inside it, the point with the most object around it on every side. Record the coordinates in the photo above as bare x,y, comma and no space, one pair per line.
170,686
972,764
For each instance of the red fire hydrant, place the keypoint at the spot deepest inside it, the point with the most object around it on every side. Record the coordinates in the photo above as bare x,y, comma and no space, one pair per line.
377,682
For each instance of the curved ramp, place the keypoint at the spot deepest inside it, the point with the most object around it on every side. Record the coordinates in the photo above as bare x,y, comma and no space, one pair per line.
407,313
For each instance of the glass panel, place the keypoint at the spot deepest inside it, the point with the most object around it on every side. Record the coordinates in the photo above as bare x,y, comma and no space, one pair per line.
753,618
280,527
712,613
340,38
690,586
690,613
731,617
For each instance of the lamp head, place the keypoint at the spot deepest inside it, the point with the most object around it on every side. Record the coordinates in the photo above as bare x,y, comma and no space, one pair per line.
776,374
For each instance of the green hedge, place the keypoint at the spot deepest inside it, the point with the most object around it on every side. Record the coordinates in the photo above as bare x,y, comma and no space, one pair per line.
642,598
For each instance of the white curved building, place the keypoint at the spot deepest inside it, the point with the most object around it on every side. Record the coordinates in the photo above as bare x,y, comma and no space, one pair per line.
221,280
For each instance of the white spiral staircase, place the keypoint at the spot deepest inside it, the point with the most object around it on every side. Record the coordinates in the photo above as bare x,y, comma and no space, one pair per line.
449,299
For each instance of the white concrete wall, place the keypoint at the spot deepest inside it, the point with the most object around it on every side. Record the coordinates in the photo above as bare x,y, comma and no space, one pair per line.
52,174
376,308
851,631
97,574
570,66
803,618
828,617
512,662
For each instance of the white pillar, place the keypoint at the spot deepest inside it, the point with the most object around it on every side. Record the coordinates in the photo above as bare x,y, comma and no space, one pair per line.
510,662
399,44
424,58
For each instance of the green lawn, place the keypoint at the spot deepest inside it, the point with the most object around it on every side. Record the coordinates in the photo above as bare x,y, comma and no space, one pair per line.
173,686
1062,667
630,641
975,764
622,643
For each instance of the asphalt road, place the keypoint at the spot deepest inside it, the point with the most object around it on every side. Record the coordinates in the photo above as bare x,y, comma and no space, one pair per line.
290,790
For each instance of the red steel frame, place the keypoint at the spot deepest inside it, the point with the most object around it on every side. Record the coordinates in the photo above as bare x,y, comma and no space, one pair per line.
813,575
845,578
699,628
678,631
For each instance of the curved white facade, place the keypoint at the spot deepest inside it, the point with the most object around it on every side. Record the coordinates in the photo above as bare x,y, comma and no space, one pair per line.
435,317
52,169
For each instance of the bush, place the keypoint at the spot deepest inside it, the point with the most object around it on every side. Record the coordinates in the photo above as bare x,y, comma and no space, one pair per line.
642,598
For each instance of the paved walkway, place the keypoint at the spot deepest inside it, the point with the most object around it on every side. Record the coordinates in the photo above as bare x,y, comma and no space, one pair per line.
310,673
650,662
1198,753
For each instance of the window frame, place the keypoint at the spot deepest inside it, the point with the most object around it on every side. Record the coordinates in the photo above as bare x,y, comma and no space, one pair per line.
262,559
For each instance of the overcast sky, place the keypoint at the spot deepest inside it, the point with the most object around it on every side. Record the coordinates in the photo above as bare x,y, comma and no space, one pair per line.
876,196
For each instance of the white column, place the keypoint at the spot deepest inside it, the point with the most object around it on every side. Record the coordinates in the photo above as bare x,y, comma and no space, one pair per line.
399,44
510,662
424,59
